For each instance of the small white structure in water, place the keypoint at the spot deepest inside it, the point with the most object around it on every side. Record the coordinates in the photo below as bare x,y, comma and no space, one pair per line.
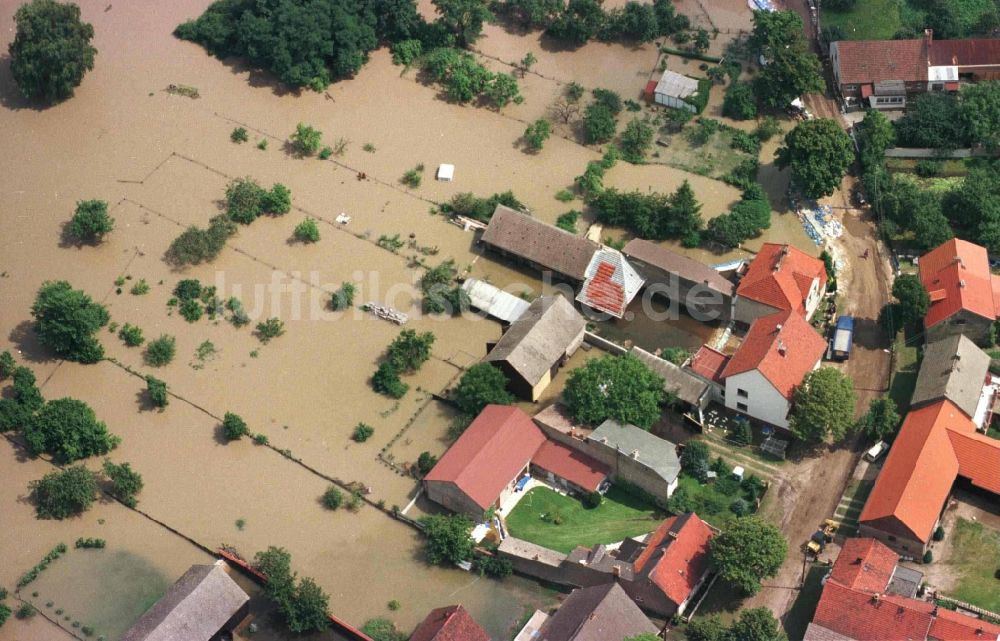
672,90
446,172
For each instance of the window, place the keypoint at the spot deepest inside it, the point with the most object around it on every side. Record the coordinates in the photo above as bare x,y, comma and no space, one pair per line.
937,86
906,547
742,393
741,407
960,321
892,538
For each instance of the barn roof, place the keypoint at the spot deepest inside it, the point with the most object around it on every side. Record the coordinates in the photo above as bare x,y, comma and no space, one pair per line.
658,256
543,244
953,368
599,613
657,454
676,380
194,608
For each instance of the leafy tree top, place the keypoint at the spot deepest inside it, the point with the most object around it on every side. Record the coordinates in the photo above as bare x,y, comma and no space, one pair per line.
617,387
819,153
823,405
51,50
66,320
449,538
481,385
748,551
914,301
69,430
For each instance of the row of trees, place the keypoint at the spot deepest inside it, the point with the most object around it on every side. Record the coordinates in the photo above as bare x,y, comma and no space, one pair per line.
578,21
653,216
747,219
948,121
302,603
464,79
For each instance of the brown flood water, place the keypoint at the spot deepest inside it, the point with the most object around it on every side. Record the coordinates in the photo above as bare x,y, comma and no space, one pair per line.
162,162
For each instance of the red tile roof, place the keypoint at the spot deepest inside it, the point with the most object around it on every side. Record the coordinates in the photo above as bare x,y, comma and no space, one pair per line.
452,623
611,283
917,475
854,604
489,454
867,61
978,458
709,363
783,347
781,276
680,547
864,564
577,468
957,275
603,293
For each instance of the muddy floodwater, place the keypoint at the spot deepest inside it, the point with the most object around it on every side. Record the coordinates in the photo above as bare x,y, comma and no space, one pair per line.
162,162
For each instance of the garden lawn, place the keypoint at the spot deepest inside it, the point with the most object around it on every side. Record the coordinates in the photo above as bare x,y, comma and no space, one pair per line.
976,557
868,20
619,516
904,377
709,502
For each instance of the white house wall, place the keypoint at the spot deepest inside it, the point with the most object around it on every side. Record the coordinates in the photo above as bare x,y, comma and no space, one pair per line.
763,401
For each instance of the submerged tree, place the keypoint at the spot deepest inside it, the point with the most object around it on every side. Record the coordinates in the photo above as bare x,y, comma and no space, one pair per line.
66,320
51,50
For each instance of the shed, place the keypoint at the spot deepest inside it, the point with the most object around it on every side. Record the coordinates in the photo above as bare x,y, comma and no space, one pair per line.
672,90
637,457
446,172
611,283
542,246
689,388
202,603
493,301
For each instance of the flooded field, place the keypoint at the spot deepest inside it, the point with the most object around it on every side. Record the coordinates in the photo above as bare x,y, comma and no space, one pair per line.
162,162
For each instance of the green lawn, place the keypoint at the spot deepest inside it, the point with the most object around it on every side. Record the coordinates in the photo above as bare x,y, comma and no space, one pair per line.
711,501
904,376
976,556
619,516
869,20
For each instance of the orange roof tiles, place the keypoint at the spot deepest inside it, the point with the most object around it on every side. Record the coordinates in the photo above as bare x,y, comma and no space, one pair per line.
954,626
489,454
684,541
867,61
864,564
577,468
957,274
782,346
781,276
978,458
451,623
709,363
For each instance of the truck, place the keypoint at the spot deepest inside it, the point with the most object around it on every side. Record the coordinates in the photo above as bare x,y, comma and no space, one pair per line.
843,337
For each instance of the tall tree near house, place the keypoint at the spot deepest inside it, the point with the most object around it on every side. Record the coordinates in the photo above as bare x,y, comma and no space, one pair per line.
819,153
481,385
51,50
881,422
618,387
913,299
980,108
822,406
747,552
791,69
449,538
526,63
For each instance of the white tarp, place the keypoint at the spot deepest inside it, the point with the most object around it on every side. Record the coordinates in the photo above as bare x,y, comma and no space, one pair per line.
446,172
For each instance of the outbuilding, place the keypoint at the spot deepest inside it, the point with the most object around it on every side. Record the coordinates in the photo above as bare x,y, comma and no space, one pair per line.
673,89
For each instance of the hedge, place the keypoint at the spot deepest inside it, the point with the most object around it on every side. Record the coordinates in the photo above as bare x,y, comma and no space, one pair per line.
690,54
699,99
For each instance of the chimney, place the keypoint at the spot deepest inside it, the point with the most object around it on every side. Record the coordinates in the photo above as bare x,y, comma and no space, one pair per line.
672,534
635,454
958,260
781,257
876,597
616,570
781,347
961,283
777,328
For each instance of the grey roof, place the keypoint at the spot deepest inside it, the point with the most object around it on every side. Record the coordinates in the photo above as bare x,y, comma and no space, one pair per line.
194,608
688,387
819,633
689,269
539,242
539,338
905,581
600,613
674,84
955,369
653,452
494,301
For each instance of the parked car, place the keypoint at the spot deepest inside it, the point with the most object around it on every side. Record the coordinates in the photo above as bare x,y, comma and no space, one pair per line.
875,452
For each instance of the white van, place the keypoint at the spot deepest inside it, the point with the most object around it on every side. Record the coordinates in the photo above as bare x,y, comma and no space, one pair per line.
876,451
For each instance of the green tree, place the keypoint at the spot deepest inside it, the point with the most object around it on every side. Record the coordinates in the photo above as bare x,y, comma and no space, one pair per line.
307,609
362,432
676,355
481,385
409,350
980,108
156,390
7,365
756,624
914,301
463,18
382,629
526,63
695,459
747,552
307,231
66,320
598,123
621,388
278,201
579,22
269,329
739,102
90,222
69,430
306,139
64,493
685,219
386,381
933,120
823,405
636,140
125,482
131,335
425,463
343,298
161,351
503,90
333,498
245,200
234,427
51,50
973,207
448,538
537,133
791,68
645,636
276,564
710,628
196,245
819,153
567,221
5,613
881,421
875,134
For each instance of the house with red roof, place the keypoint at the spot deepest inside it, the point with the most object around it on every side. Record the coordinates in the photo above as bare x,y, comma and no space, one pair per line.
451,623
965,296
610,283
481,470
868,596
760,378
883,73
780,278
936,445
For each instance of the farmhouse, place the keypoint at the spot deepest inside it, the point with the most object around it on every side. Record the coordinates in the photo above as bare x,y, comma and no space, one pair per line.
869,597
965,296
481,470
637,457
673,90
954,369
610,284
203,604
759,379
884,73
937,444
451,623
598,613
538,244
780,278
704,293
534,347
